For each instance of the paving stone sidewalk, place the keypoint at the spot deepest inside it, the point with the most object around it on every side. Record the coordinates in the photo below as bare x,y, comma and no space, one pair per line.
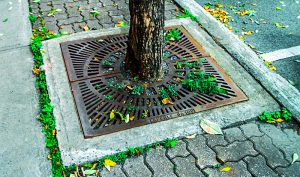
74,15
252,149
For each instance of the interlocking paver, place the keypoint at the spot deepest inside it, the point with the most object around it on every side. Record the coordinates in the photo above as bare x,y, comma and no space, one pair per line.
235,151
178,150
234,134
291,171
213,140
186,167
238,169
274,156
135,167
114,172
258,167
205,155
78,11
251,130
287,140
161,165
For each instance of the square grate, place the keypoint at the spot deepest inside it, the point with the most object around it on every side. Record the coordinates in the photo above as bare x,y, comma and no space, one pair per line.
98,89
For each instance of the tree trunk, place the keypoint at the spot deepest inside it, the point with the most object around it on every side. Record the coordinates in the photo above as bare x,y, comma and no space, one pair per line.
146,39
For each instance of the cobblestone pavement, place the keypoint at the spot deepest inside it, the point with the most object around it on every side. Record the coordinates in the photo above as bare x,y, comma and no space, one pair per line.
73,15
252,149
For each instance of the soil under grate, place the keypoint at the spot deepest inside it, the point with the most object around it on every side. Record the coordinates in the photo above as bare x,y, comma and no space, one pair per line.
98,89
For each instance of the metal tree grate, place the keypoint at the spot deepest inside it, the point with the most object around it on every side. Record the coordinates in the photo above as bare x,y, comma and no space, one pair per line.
98,89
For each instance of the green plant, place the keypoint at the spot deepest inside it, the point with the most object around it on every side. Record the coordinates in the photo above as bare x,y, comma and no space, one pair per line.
137,90
94,13
109,97
32,19
172,90
115,85
172,35
145,114
178,65
46,114
163,93
187,14
97,86
278,116
203,82
122,156
170,143
130,108
107,63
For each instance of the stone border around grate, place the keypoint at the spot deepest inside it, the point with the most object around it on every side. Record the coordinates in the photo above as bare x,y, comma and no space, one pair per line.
76,149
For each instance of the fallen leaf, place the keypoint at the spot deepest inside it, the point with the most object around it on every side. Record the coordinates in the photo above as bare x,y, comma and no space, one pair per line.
279,120
225,169
109,163
36,1
298,61
191,136
210,127
126,118
166,101
278,8
94,166
131,118
291,82
295,157
5,20
247,33
280,25
271,121
121,24
86,28
36,71
241,38
89,172
72,175
111,115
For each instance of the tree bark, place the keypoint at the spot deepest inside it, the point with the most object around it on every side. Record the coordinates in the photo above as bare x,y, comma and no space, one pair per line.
146,39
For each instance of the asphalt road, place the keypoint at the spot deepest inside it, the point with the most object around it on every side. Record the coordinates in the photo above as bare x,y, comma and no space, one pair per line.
268,37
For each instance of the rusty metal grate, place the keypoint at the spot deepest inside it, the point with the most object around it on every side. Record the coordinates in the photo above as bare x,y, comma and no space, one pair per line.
91,83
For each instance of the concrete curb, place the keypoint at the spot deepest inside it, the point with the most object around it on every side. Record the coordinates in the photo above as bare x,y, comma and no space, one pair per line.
278,87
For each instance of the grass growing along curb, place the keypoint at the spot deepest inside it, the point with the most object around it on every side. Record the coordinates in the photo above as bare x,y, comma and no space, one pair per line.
276,117
46,109
121,156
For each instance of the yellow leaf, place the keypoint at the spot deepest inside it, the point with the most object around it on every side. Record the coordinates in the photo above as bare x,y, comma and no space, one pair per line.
248,33
245,12
120,24
225,169
94,166
109,163
241,38
131,118
191,136
112,115
86,28
271,121
167,101
49,156
218,5
36,71
279,120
